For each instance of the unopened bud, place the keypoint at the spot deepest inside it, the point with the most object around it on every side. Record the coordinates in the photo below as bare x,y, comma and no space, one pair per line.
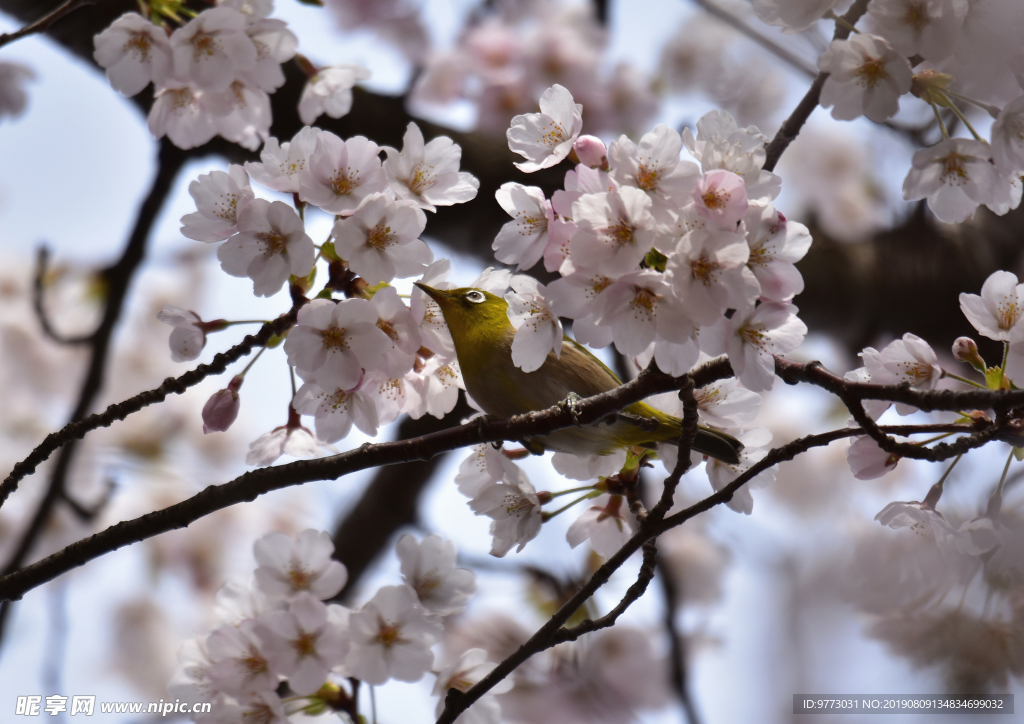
221,410
591,151
965,349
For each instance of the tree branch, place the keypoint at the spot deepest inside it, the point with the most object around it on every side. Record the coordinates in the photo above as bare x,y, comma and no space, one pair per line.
43,23
38,292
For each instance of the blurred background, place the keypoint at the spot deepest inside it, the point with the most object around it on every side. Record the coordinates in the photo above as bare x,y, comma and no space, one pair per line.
808,595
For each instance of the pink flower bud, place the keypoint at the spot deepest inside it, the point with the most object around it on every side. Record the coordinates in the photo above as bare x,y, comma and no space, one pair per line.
222,408
591,151
965,349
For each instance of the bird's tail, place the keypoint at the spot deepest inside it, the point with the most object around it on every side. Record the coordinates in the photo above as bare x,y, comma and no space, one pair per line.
719,445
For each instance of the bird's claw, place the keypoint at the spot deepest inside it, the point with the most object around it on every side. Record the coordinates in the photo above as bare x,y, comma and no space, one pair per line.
569,403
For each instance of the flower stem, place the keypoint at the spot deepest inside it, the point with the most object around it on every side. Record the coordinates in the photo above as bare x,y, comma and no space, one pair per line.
936,491
990,109
996,501
962,117
571,490
830,15
938,117
548,516
962,379
252,361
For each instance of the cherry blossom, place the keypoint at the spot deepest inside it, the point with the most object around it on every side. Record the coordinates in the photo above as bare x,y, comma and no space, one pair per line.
873,371
425,311
428,567
538,329
303,643
515,513
640,307
242,114
289,568
466,671
380,240
289,439
340,174
188,336
726,405
750,339
956,175
721,197
591,151
654,167
615,230
524,240
721,144
332,343
212,49
776,244
911,360
191,680
275,44
709,274
866,77
330,92
607,523
282,164
336,410
219,196
720,474
221,410
13,98
1008,137
271,244
574,295
546,138
867,461
921,518
239,666
396,321
236,601
428,175
134,52
929,28
434,390
588,467
183,115
792,15
389,395
391,638
484,467
265,707
998,312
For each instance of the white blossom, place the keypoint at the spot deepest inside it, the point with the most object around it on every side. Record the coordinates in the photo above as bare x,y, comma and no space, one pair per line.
340,174
134,52
709,274
13,98
219,196
929,28
721,197
998,312
721,144
868,461
776,244
428,175
282,164
616,230
290,439
607,523
241,114
546,138
212,49
515,512
271,244
434,390
720,474
640,307
396,321
275,44
380,240
523,240
183,115
538,329
264,707
866,77
484,467
330,92
391,638
188,336
725,405
466,671
337,410
428,315
957,175
303,643
428,567
654,167
1008,137
239,666
588,467
792,15
288,568
750,339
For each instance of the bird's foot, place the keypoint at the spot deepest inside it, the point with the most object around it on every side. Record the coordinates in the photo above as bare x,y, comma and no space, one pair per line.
569,403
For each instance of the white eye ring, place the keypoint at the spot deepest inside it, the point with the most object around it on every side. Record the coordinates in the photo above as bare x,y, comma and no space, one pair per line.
475,297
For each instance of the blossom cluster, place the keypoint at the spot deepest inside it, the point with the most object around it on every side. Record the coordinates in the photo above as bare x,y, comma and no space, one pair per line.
212,75
281,629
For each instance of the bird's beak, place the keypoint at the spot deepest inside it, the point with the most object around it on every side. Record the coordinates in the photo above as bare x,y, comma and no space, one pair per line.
436,294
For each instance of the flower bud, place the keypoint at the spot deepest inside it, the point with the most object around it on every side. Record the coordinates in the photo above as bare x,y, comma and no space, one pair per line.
966,350
591,151
221,409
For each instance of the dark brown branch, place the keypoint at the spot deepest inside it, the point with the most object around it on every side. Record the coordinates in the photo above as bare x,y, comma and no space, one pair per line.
790,128
43,23
38,292
677,643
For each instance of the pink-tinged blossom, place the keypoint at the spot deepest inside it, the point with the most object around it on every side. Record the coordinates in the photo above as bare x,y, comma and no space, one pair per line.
275,44
725,405
750,339
340,174
674,358
591,151
236,601
912,360
425,311
191,681
183,115
468,670
515,514
546,138
792,15
872,371
574,294
435,390
428,568
212,49
332,343
721,144
391,638
921,518
484,467
241,114
956,175
253,10
607,523
929,28
589,467
221,410
188,336
523,240
390,395
538,329
867,461
640,307
1008,138
380,240
776,244
428,175
395,320
13,98
239,666
998,312
303,643
616,230
720,474
288,568
330,92
264,707
654,167
134,52
282,164
288,439
965,349
721,198
336,410
866,77
709,274
271,245
219,196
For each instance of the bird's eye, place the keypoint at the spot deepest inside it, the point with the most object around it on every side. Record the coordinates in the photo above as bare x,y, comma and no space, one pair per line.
475,297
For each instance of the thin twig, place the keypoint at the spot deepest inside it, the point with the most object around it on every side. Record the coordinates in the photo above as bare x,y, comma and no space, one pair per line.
677,642
38,292
44,22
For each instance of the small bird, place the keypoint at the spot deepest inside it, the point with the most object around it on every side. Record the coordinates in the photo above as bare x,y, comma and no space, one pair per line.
483,334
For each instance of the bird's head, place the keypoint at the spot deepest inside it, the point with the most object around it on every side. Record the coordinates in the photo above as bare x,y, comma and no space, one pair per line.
470,313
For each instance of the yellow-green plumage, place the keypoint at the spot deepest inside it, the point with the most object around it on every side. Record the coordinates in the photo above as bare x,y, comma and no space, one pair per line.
483,338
